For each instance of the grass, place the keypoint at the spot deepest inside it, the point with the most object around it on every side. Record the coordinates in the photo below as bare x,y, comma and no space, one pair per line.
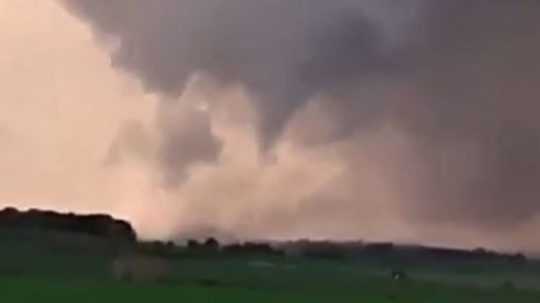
59,291
37,270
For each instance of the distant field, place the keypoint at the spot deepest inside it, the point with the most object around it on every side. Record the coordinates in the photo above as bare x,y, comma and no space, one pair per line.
236,281
376,291
42,268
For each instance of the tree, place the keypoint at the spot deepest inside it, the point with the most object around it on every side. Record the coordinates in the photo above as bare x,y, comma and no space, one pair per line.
211,244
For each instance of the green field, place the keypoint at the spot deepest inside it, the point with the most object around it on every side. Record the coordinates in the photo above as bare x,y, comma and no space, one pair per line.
38,268
246,286
46,290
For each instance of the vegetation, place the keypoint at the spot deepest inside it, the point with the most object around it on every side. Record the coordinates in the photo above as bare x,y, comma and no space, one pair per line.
43,265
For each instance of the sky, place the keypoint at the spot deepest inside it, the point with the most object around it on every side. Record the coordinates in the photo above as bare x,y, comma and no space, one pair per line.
381,120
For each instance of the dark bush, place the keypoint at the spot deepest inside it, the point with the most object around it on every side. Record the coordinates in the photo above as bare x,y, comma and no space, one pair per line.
211,244
251,248
193,244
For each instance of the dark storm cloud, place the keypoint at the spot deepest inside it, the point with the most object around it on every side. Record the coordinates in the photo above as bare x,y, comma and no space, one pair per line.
470,69
283,51
476,82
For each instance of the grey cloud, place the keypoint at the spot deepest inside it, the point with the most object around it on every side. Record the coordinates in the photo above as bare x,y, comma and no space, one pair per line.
475,91
283,51
459,77
187,139
132,139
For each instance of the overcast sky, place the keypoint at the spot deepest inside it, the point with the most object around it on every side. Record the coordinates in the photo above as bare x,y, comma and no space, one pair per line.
410,121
